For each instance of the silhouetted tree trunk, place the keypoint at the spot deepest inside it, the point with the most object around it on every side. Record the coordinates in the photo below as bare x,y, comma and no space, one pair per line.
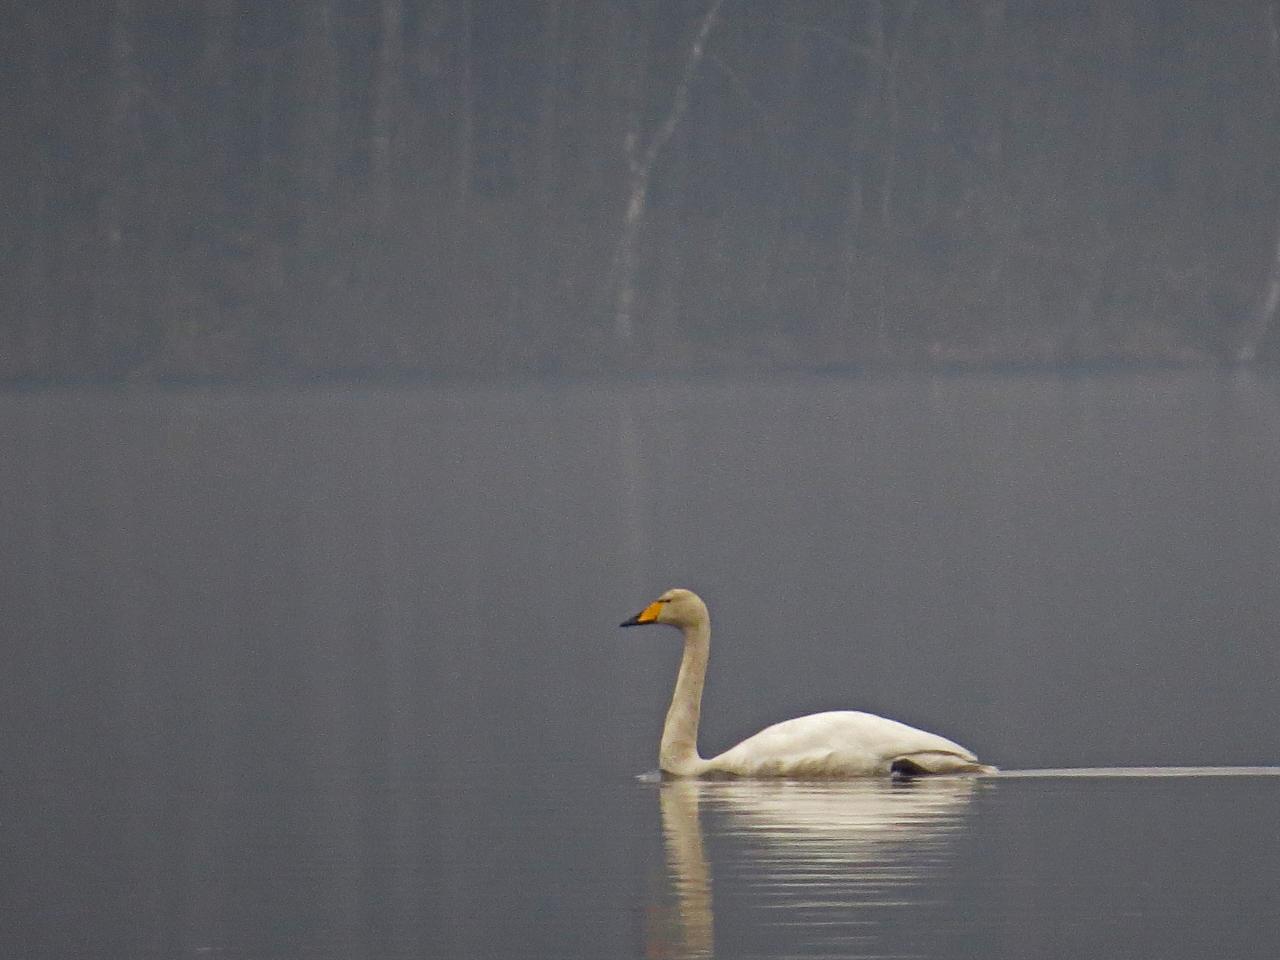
268,99
1264,312
548,103
217,74
641,160
984,190
316,267
872,166
319,120
121,93
1111,101
671,262
865,123
991,70
785,102
116,284
41,343
891,50
464,132
548,145
386,98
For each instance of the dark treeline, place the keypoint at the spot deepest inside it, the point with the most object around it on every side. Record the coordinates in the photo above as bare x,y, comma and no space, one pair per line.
232,189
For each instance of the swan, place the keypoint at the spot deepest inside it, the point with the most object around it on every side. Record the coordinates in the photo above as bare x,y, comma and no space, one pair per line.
837,743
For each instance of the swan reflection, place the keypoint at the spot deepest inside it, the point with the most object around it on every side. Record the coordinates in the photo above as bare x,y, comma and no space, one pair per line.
828,861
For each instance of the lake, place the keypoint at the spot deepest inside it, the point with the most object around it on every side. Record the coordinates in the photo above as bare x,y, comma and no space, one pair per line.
336,672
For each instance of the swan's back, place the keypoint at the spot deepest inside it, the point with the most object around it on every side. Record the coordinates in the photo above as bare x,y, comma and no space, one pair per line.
842,743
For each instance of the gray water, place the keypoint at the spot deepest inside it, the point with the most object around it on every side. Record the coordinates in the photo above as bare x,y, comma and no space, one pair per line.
336,673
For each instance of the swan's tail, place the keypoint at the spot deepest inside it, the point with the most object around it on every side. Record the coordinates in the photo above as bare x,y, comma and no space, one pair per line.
935,763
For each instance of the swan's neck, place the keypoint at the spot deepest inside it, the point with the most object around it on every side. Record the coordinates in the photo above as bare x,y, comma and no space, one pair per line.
679,751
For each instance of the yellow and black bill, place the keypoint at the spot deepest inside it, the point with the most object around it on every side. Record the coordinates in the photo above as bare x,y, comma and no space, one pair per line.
648,615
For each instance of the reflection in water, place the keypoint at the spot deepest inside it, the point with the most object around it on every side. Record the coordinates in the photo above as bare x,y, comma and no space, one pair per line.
828,858
685,930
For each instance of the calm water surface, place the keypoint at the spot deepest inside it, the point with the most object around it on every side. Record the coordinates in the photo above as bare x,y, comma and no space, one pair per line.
336,674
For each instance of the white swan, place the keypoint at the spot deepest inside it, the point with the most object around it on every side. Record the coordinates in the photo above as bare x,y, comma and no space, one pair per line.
839,743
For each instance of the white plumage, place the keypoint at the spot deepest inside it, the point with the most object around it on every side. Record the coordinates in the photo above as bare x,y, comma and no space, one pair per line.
838,743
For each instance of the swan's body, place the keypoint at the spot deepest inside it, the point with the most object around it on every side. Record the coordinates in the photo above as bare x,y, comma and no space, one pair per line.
839,743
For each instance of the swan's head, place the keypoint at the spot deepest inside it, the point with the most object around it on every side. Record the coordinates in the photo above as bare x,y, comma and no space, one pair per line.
678,607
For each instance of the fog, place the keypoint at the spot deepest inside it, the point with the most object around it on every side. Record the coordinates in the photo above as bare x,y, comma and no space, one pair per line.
324,188
363,365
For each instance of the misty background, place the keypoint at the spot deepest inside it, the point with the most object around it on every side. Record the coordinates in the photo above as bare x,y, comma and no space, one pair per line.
308,189
332,457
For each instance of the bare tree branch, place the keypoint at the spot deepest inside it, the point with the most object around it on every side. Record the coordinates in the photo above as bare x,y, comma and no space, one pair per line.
680,103
1259,321
642,163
